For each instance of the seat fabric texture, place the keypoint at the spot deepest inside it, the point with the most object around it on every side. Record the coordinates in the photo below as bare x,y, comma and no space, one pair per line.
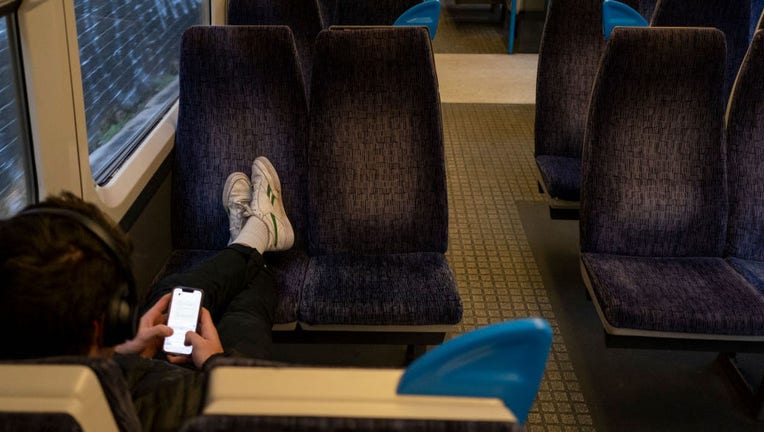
730,16
378,211
745,156
302,17
653,175
377,180
367,13
38,422
683,295
571,46
394,289
752,271
214,423
561,176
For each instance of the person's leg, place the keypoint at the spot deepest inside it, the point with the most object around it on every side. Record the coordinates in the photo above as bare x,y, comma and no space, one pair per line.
245,326
239,291
222,278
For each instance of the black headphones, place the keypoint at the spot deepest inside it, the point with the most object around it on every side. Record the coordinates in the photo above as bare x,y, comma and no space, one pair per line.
119,319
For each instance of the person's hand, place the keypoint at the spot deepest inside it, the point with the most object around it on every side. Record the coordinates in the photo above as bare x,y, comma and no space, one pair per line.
151,331
205,343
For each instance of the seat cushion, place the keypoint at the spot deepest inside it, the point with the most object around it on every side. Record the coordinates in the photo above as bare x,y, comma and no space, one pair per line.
684,295
289,268
752,271
396,289
561,176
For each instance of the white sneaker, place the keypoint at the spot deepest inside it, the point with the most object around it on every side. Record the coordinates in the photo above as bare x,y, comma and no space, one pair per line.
267,204
237,194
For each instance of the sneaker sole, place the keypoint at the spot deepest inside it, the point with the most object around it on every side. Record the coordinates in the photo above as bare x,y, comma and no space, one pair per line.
232,178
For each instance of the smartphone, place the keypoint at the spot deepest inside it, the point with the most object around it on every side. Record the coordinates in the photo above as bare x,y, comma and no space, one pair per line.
185,305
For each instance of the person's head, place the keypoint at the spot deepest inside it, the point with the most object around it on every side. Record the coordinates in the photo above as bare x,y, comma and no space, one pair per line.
57,278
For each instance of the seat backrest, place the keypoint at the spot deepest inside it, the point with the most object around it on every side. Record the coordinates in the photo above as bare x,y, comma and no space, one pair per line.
241,96
65,393
653,178
745,156
377,173
302,16
730,16
646,8
569,54
366,12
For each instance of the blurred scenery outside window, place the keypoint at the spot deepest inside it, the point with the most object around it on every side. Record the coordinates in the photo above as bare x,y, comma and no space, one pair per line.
129,53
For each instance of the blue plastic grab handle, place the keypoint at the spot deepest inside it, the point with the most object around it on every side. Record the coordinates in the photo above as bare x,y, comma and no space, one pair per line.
504,361
617,14
426,13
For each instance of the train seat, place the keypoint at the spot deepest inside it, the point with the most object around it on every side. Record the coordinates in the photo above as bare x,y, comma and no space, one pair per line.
364,12
378,212
654,201
241,96
484,380
302,17
569,54
745,156
65,393
730,16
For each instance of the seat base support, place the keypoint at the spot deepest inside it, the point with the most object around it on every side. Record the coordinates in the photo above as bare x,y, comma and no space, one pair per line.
753,398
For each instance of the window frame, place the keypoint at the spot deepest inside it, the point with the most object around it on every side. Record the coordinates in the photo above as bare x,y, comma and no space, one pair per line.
49,47
8,12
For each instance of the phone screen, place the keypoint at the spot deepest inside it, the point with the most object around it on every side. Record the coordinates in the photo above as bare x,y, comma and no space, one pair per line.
184,315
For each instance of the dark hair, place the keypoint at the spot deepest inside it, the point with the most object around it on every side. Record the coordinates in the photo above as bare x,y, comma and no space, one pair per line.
57,278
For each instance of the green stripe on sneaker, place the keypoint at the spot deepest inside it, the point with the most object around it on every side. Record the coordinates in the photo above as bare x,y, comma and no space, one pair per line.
275,231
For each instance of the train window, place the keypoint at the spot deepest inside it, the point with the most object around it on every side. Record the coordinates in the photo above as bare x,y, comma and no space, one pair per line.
129,54
16,173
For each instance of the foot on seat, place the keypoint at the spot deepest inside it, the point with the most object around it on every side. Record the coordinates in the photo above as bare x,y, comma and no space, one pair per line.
268,206
237,194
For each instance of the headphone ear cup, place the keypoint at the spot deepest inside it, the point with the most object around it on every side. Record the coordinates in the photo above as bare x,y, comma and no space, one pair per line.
119,319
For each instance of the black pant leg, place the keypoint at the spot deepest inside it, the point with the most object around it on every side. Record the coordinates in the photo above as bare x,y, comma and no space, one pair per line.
240,294
246,325
222,277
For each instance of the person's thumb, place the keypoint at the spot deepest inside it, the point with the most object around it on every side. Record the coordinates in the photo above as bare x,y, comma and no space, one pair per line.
193,338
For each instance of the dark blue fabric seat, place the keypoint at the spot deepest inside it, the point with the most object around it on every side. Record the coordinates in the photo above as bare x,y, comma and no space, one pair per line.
571,46
363,12
674,295
392,289
730,16
301,16
561,176
241,96
378,212
745,159
654,201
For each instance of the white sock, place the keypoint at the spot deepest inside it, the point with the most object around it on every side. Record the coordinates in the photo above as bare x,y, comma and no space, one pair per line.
254,234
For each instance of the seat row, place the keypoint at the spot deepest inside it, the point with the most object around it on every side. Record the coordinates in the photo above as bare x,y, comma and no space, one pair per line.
570,55
362,171
306,18
672,214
